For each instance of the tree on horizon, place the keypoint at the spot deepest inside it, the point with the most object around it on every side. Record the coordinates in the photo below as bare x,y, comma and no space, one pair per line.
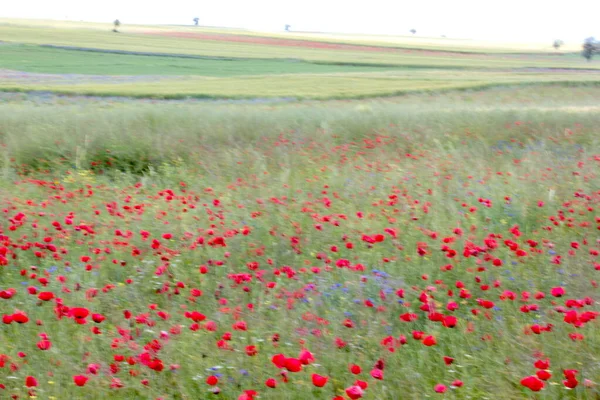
590,47
557,43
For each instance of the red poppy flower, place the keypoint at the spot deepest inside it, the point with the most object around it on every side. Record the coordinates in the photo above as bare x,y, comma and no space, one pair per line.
408,317
439,388
272,383
533,383
571,383
217,242
44,344
430,341
448,360
248,395
319,380
354,392
30,381
543,374
377,374
449,321
251,350
570,373
212,380
8,293
293,365
279,360
20,318
79,312
46,296
362,384
98,318
240,326
80,380
355,369
306,357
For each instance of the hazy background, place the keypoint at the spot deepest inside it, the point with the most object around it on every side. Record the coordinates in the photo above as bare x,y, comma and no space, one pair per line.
513,20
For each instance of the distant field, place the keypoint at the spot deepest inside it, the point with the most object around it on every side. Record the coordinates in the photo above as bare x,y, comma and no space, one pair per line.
179,62
56,61
404,41
301,86
163,41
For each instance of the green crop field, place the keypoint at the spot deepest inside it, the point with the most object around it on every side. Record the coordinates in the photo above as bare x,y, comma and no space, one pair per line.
58,61
300,86
178,62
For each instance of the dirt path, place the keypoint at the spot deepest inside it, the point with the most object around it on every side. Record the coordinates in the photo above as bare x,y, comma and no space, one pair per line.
7,75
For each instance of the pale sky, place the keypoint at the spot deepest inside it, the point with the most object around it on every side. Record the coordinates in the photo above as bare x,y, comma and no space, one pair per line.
510,20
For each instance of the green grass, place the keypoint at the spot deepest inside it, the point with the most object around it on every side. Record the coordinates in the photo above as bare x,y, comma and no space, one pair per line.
77,132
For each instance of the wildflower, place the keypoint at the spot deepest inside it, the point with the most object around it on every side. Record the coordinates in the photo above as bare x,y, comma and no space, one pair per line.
319,380
80,380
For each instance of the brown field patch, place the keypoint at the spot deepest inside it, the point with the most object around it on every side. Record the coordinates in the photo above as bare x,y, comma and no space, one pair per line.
312,44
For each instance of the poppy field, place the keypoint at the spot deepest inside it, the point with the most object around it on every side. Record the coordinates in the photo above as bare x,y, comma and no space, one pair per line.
336,250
